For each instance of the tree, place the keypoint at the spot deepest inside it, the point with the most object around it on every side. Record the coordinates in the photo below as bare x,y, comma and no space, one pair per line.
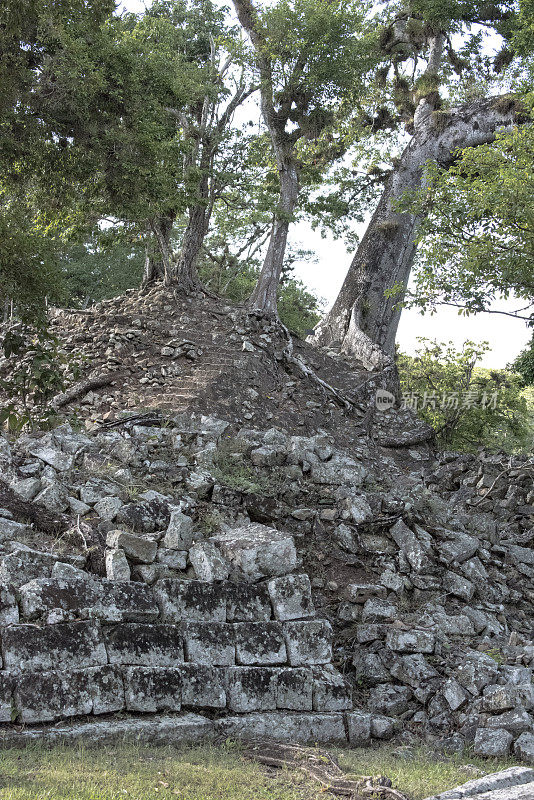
468,406
419,45
524,364
311,57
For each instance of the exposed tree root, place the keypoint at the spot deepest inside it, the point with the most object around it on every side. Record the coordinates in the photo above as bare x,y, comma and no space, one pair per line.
75,391
323,768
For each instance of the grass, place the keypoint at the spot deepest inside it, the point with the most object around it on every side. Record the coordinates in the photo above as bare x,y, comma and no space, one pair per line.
140,772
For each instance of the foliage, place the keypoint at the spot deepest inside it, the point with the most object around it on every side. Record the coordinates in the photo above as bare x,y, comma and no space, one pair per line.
477,231
524,364
468,406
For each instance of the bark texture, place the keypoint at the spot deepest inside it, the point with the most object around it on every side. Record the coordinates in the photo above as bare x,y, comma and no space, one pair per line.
364,319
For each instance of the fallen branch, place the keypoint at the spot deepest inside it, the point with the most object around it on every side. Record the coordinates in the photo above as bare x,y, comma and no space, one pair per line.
96,382
323,768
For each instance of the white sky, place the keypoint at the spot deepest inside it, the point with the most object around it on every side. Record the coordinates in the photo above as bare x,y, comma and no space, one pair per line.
506,336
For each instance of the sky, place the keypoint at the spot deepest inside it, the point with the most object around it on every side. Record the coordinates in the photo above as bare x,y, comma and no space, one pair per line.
506,336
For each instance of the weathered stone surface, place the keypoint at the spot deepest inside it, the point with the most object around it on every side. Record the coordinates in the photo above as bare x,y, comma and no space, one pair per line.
294,689
52,456
359,728
146,645
382,727
389,699
501,698
211,643
9,529
414,641
413,669
331,692
203,686
458,586
150,689
260,643
492,743
361,592
256,551
174,559
454,694
179,534
251,689
517,721
24,565
26,488
159,730
412,548
208,562
107,508
138,549
117,567
339,470
73,598
459,548
246,602
496,781
291,597
377,610
70,645
476,671
191,600
9,610
6,695
285,727
308,642
46,696
524,749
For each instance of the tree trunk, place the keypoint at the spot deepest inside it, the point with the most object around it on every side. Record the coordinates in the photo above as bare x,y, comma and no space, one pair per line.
364,319
264,296
185,273
158,259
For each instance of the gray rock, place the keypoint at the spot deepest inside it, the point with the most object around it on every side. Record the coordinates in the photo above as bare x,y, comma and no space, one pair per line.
6,697
361,592
26,488
208,562
24,565
495,782
382,727
251,689
308,642
331,692
211,643
9,529
340,470
389,699
458,585
260,643
408,543
376,610
52,456
179,533
294,689
459,548
413,670
414,641
108,507
9,610
522,555
62,570
285,727
138,550
369,667
72,645
291,597
203,686
454,694
174,559
53,498
256,551
137,644
359,728
117,567
524,749
191,600
501,698
492,743
517,721
150,689
246,602
476,671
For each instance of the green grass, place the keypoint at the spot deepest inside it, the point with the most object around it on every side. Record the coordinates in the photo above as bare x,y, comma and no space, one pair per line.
210,773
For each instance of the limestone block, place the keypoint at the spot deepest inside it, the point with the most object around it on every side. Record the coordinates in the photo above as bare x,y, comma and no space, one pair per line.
246,602
53,497
340,470
68,645
294,689
476,671
359,728
517,721
331,692
117,567
9,529
208,562
174,559
286,727
492,742
459,548
251,689
413,670
9,610
412,548
203,686
6,695
414,641
256,551
501,698
291,597
108,507
454,694
46,696
138,549
191,600
382,727
150,689
376,610
26,488
52,456
308,642
179,534
389,699
260,643
211,643
458,585
524,748
110,601
142,644
21,566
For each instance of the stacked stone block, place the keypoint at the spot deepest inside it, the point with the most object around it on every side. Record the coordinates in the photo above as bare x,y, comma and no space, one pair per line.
89,646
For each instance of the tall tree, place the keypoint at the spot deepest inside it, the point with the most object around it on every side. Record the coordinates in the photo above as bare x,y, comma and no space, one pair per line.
311,56
420,46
